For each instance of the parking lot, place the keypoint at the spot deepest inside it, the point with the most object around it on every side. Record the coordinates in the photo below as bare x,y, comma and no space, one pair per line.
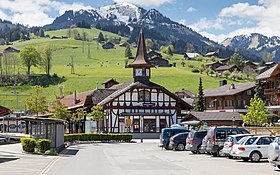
148,158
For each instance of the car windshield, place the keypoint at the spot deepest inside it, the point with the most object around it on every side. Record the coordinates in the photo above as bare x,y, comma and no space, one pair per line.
229,139
191,134
250,141
241,141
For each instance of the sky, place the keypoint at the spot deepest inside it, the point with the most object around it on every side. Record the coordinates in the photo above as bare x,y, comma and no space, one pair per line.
215,19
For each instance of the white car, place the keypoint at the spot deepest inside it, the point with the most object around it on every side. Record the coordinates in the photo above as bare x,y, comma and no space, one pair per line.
252,148
232,140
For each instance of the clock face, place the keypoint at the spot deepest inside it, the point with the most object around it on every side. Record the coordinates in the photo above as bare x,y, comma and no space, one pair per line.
147,72
138,72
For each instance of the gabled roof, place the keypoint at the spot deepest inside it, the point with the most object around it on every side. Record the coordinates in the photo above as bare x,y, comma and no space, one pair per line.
227,90
226,67
270,72
211,53
213,116
141,58
119,92
209,64
189,93
192,55
4,111
110,79
11,50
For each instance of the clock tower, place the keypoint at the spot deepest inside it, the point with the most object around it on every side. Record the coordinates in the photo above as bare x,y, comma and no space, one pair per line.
141,64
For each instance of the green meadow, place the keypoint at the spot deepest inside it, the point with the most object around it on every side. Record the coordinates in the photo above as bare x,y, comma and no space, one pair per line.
93,65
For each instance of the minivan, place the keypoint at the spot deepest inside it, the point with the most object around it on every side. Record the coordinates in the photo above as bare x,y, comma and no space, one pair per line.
194,141
218,136
166,133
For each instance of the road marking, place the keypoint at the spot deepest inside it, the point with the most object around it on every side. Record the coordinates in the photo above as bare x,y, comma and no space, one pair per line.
49,166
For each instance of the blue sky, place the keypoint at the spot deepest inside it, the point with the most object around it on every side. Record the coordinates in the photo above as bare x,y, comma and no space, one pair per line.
216,19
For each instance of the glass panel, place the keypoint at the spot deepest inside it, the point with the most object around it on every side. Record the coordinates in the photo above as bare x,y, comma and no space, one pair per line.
250,141
221,134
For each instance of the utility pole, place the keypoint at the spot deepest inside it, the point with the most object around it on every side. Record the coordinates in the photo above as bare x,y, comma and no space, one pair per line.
72,64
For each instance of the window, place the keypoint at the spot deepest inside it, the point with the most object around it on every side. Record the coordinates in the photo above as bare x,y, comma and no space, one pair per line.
201,135
136,125
250,141
162,124
264,141
230,103
144,95
231,132
149,125
211,104
221,134
229,139
225,102
249,92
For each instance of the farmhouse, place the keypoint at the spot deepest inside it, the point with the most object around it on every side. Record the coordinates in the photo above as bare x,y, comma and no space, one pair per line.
124,44
190,56
251,65
212,54
229,97
213,65
225,61
141,106
11,50
156,59
108,45
229,68
271,88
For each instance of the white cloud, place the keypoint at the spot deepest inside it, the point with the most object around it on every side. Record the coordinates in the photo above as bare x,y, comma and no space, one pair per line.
191,9
183,21
145,2
34,12
245,19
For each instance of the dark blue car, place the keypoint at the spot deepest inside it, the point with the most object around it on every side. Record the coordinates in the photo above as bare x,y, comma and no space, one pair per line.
166,133
178,141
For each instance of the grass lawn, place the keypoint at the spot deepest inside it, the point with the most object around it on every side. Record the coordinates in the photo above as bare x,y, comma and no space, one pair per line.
98,66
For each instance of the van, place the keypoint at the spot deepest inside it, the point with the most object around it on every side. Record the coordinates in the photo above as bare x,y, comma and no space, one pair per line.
166,133
194,141
217,136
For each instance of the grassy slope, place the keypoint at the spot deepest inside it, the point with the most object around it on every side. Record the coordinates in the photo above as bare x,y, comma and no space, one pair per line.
102,65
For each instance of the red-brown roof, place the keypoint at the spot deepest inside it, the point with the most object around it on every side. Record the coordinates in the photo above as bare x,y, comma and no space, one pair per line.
69,100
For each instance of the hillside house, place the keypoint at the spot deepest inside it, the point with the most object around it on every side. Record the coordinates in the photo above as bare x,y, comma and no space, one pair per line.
124,44
153,54
271,88
108,45
190,56
229,68
212,54
225,61
110,82
213,65
11,50
156,59
252,65
229,97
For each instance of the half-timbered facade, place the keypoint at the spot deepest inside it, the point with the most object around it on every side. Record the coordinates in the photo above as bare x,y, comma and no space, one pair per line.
141,106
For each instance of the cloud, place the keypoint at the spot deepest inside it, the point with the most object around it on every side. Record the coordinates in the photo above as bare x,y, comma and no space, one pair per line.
34,12
145,2
191,9
243,18
183,21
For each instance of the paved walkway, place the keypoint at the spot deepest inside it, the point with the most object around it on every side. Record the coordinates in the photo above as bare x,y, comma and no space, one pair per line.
14,162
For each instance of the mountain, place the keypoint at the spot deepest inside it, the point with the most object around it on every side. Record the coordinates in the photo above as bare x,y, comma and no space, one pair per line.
127,19
256,44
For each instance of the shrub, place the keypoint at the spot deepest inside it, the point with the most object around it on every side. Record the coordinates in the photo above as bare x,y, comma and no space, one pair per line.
52,152
191,66
43,145
97,137
28,144
195,70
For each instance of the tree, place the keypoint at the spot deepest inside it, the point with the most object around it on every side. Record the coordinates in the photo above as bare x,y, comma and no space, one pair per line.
267,57
36,102
97,115
183,63
149,44
60,111
190,48
199,99
226,73
30,57
101,37
257,114
128,52
248,70
46,58
259,91
237,60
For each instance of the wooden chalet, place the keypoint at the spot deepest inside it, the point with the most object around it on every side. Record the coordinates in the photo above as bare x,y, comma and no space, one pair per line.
153,54
183,93
271,88
124,44
156,59
229,97
229,68
213,65
190,56
108,45
225,61
11,50
212,54
141,106
4,111
251,65
213,119
110,82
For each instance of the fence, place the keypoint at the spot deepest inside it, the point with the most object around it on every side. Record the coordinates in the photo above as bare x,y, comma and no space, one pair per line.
264,130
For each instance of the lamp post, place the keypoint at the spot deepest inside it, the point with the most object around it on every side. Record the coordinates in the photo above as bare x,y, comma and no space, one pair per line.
233,120
141,128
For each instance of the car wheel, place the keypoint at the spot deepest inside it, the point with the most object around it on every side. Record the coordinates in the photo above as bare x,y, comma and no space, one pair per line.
245,159
180,147
214,154
278,166
194,152
220,152
230,157
199,150
167,147
255,156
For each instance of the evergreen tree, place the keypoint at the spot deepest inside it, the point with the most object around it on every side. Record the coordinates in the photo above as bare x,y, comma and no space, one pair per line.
237,60
259,91
199,101
128,53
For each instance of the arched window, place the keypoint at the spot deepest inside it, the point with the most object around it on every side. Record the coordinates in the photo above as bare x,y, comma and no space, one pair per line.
144,95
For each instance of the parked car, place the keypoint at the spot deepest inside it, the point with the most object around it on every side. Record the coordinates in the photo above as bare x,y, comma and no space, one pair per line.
232,140
252,148
178,141
166,133
194,141
218,136
204,144
274,152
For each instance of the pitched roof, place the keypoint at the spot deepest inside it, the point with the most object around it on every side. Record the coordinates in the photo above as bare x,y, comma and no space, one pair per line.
69,100
226,67
189,93
227,90
11,49
110,79
211,53
141,58
209,64
213,116
270,72
192,55
4,111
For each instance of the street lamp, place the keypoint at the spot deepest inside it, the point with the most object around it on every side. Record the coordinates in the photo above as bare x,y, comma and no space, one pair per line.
141,128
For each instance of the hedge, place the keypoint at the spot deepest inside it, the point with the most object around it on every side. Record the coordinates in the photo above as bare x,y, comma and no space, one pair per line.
43,145
28,144
97,137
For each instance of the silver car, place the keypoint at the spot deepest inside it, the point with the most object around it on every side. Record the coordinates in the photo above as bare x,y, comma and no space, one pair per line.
274,152
232,140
